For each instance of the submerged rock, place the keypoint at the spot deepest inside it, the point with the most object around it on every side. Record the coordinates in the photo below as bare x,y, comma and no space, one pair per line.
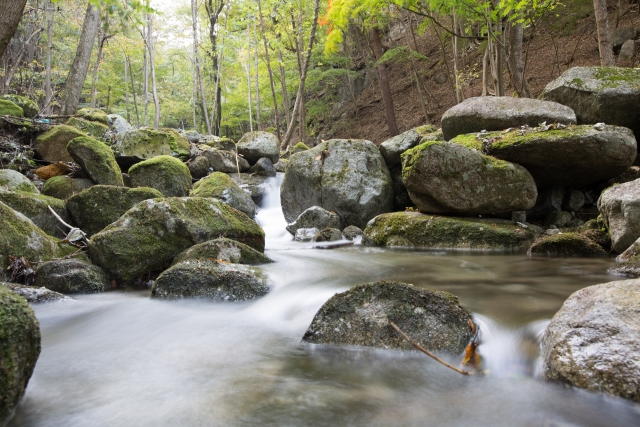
97,160
362,316
620,208
226,250
566,244
351,232
19,349
222,187
305,234
71,276
255,145
593,342
210,279
314,217
164,173
439,232
327,235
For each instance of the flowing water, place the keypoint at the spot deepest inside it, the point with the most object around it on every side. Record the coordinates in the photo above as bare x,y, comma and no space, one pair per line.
122,359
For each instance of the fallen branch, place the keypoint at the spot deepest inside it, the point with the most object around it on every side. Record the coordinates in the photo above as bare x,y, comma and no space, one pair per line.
427,352
74,235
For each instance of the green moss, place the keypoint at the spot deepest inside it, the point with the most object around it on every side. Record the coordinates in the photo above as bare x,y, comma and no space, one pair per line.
566,244
213,185
413,155
426,129
94,115
29,107
617,76
148,143
35,207
468,140
496,163
52,145
94,129
226,250
63,187
223,143
14,181
96,159
8,108
164,173
300,146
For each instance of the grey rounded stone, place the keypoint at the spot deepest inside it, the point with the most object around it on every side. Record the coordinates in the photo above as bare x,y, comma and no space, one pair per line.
315,217
620,208
574,201
222,187
225,161
263,167
14,181
351,232
327,235
199,167
71,277
256,145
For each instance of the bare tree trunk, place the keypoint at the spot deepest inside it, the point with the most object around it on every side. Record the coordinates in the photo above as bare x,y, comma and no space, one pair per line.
258,111
283,82
302,119
133,91
10,16
515,62
156,101
16,65
604,36
273,88
47,80
126,91
145,81
485,71
80,66
385,89
196,59
456,59
248,66
213,11
102,39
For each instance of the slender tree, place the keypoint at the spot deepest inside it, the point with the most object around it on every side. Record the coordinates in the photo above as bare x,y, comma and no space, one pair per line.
196,62
604,35
10,16
273,88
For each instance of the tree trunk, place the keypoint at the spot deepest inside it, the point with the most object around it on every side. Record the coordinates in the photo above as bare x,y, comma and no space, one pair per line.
385,89
604,36
102,39
516,63
10,16
248,66
80,66
126,91
196,59
133,91
283,82
156,101
145,84
273,88
16,65
456,60
258,110
47,80
213,11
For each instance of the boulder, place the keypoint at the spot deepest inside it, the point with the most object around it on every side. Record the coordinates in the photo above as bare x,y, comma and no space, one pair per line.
300,146
621,35
263,167
392,148
574,201
52,145
566,244
438,232
281,165
149,235
149,143
571,157
225,161
549,200
118,124
164,173
94,115
14,181
593,341
363,315
608,95
199,167
327,235
97,160
226,250
220,186
491,113
255,145
351,232
348,177
29,107
220,143
255,185
620,209
92,210
93,129
442,177
71,276
305,234
8,108
63,187
401,198
628,262
192,136
19,350
599,237
35,207
627,50
210,279
34,295
314,217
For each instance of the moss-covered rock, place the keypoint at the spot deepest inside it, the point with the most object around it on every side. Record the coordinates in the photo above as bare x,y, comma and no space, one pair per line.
14,181
20,237
34,295
566,244
94,209
300,146
221,186
63,187
8,108
71,276
392,148
220,143
94,115
327,235
35,207
225,161
29,107
96,159
363,316
226,250
52,145
281,166
164,173
255,145
149,143
93,129
255,185
199,167
19,349
439,232
152,233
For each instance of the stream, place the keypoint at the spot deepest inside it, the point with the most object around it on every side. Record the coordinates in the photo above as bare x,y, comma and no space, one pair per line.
122,359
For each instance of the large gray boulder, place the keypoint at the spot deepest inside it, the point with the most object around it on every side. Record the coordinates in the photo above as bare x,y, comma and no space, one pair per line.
348,177
220,186
71,276
164,173
593,342
19,349
118,124
149,235
36,208
599,94
149,143
620,209
255,145
97,160
392,148
443,177
210,279
34,295
225,250
315,217
573,156
363,316
492,113
14,181
225,161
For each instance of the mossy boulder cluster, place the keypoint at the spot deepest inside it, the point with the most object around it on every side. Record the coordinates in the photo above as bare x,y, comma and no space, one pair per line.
222,187
96,159
91,128
29,108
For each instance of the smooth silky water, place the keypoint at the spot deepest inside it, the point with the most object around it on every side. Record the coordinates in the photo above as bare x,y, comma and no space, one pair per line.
123,359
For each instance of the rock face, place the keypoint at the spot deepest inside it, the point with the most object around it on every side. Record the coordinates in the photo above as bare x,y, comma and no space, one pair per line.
348,177
93,129
63,187
52,145
362,316
255,145
593,342
427,231
19,349
226,250
575,156
164,173
220,186
153,232
210,279
392,148
97,160
35,207
149,143
225,161
502,112
15,181
315,217
71,276
94,209
599,94
442,177
566,244
620,208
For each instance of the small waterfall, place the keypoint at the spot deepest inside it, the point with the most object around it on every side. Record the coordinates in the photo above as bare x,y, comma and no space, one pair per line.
270,215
